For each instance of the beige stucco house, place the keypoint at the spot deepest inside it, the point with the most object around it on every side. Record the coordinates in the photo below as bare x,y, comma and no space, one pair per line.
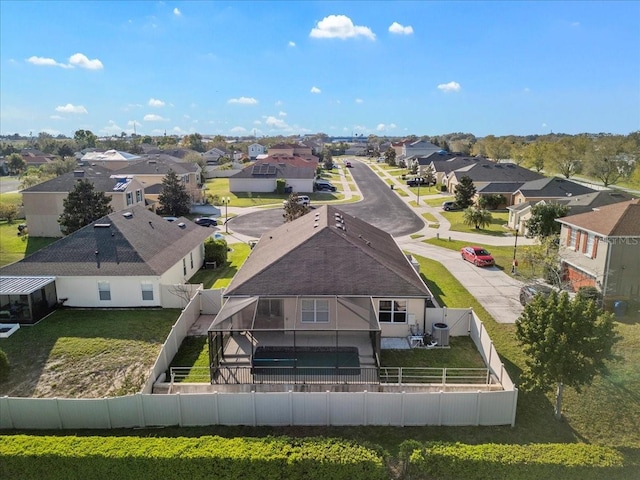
43,203
130,258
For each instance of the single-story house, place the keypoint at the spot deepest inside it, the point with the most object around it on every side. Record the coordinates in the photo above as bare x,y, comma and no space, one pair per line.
601,249
130,258
44,202
111,159
326,282
262,176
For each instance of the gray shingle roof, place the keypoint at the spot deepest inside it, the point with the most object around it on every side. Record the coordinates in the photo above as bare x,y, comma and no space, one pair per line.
280,170
300,258
500,187
143,244
158,165
553,187
487,171
99,176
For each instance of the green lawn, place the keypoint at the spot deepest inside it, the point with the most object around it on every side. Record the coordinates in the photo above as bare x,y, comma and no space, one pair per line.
496,228
14,247
430,218
85,353
221,277
436,201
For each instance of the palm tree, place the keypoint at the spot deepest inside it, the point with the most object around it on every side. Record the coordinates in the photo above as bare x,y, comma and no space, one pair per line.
477,217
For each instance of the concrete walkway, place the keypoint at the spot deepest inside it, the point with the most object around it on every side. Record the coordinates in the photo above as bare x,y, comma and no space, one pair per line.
496,291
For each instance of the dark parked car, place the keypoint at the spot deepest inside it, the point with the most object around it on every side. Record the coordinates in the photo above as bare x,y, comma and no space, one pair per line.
348,164
478,256
447,206
414,182
527,292
324,186
206,222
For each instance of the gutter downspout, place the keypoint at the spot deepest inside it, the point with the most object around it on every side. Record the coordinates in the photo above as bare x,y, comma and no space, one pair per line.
607,264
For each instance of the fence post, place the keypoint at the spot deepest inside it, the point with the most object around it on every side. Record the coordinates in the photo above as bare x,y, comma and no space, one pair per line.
290,407
60,426
107,401
444,376
179,404
253,406
328,408
402,408
440,408
478,408
216,407
515,406
490,352
140,406
364,408
5,400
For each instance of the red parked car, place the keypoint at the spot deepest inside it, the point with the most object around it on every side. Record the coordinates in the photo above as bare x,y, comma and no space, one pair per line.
478,256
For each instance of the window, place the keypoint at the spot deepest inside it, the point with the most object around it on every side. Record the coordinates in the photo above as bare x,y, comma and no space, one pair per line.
590,243
147,291
191,258
315,310
104,290
129,198
138,196
184,267
270,307
392,311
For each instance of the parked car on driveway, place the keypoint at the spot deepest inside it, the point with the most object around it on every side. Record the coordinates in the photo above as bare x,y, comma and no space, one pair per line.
324,186
414,182
447,206
527,292
478,256
206,222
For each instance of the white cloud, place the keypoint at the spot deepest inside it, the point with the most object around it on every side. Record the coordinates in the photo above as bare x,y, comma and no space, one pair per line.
278,123
152,117
238,130
527,90
340,26
359,100
177,12
178,130
133,123
292,44
315,90
69,108
282,114
449,87
278,103
257,122
243,101
111,129
398,29
55,117
154,102
46,62
381,127
81,60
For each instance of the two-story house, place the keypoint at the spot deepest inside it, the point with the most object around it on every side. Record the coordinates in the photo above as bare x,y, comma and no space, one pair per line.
601,249
44,203
254,150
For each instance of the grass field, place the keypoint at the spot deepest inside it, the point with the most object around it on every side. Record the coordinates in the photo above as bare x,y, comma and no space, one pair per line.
221,277
496,228
85,353
14,247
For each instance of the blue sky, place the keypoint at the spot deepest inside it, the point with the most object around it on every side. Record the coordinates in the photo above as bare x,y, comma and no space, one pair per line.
283,68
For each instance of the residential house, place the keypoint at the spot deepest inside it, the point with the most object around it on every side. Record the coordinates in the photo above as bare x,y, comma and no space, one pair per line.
357,150
152,169
35,158
326,280
213,155
111,159
548,188
262,176
177,152
254,150
130,258
292,149
418,148
44,203
444,165
316,147
601,249
426,162
493,178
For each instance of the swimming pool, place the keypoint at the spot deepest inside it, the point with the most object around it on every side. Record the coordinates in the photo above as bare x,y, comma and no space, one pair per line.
306,360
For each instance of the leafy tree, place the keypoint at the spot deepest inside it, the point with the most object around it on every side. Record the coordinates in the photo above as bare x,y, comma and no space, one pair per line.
390,157
193,157
9,211
534,154
429,175
147,140
7,149
46,142
65,150
477,217
34,176
174,198
85,139
465,191
215,251
567,343
16,164
194,142
82,206
609,162
328,159
491,201
59,167
568,155
542,222
293,210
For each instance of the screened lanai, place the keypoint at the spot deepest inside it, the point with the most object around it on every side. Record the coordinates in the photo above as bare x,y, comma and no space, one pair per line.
328,339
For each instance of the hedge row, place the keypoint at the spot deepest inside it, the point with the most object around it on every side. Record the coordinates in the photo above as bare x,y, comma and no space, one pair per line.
68,457
516,462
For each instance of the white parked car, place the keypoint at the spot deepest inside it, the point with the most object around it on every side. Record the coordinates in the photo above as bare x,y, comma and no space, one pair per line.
302,200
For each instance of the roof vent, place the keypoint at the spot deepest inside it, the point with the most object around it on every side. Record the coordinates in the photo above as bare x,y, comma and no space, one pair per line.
315,225
127,214
78,173
102,225
182,225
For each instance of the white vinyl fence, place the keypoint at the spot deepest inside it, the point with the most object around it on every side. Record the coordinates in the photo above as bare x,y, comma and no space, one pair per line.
399,408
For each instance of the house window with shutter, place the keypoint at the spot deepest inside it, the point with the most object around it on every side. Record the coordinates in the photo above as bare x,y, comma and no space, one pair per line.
571,236
576,244
589,245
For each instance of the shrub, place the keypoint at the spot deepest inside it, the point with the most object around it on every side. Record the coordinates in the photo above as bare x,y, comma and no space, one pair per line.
215,251
8,211
4,366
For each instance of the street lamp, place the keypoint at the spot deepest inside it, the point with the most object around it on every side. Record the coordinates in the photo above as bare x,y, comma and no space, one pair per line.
226,213
514,264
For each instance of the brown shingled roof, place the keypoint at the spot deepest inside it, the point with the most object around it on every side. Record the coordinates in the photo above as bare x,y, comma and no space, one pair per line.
617,220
